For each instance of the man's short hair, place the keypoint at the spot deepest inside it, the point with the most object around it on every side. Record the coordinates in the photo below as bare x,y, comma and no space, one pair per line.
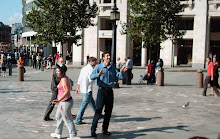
128,57
208,58
103,54
59,59
92,59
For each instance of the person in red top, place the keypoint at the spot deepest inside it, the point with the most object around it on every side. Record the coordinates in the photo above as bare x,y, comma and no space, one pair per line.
210,78
20,62
56,57
151,72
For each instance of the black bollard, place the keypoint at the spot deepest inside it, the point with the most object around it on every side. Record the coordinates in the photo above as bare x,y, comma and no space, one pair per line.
10,69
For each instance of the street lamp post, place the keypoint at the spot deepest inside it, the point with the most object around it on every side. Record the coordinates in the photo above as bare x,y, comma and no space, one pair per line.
114,16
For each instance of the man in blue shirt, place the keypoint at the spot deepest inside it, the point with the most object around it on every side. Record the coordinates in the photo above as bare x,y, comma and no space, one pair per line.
129,66
104,75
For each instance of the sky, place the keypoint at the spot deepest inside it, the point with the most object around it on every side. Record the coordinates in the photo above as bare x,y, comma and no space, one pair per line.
10,11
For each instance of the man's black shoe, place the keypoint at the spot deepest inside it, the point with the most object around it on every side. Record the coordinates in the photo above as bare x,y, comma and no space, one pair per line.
93,134
106,132
48,119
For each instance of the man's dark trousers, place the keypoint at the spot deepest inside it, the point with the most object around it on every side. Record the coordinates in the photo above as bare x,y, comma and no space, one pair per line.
51,105
105,97
128,79
212,83
34,64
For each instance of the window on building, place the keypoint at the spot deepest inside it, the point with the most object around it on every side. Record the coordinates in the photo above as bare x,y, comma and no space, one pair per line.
186,24
107,1
215,25
105,24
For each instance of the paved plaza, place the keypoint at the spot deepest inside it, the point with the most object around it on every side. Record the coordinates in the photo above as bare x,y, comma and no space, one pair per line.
140,111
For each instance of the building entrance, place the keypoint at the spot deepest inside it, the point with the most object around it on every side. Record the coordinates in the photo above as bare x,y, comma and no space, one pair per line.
184,56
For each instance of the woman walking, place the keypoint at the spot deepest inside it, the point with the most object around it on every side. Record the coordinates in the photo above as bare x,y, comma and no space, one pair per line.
216,66
63,114
3,68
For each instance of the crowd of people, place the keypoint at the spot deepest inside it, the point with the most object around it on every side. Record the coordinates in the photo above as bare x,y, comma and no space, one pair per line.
22,59
61,87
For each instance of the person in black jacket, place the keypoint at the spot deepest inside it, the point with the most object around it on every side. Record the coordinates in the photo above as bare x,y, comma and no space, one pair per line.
55,81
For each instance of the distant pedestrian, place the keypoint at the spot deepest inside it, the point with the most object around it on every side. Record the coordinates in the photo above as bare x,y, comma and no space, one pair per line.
129,66
49,61
8,59
87,59
55,81
56,57
20,62
65,100
151,72
34,61
24,57
118,64
4,65
216,66
67,59
70,56
210,78
39,59
16,56
104,75
85,86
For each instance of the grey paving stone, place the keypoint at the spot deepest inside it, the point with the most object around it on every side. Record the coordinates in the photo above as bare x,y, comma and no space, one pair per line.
140,111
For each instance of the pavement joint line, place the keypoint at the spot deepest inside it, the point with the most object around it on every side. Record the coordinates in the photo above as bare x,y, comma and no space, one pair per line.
10,131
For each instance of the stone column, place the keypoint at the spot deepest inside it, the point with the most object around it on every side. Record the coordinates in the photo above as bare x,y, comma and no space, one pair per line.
200,33
143,57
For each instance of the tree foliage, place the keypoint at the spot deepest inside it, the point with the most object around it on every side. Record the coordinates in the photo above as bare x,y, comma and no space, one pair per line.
54,19
153,21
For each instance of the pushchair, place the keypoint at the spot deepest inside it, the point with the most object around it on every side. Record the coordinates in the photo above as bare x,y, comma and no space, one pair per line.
146,77
142,77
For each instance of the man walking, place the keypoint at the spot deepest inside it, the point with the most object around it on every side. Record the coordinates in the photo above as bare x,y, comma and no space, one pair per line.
129,66
34,60
104,75
210,78
85,85
39,58
55,81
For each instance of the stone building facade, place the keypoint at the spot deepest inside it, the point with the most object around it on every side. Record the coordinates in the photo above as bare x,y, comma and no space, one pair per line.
200,21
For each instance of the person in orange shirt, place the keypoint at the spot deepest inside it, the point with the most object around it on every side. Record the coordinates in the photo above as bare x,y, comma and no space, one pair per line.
210,78
20,62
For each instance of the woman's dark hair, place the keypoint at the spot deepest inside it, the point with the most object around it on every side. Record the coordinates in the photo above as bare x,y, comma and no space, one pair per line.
62,68
216,59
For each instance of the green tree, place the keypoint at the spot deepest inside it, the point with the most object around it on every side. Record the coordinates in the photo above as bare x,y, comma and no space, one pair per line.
153,21
60,20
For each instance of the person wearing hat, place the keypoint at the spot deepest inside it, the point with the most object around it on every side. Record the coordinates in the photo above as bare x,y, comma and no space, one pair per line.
65,104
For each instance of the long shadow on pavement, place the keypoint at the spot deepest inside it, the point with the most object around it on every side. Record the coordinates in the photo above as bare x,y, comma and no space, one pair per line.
137,133
140,119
